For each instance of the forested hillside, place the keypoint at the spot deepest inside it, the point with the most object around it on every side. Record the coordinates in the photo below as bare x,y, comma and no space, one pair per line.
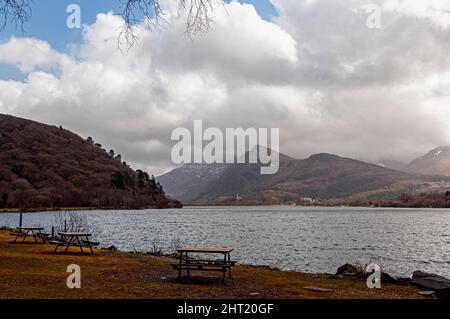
44,166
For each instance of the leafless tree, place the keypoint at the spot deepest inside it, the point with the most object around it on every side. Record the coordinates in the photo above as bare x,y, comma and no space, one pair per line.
71,222
15,11
150,14
134,12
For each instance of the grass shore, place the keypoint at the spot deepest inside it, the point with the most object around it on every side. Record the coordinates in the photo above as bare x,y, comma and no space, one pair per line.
17,210
33,271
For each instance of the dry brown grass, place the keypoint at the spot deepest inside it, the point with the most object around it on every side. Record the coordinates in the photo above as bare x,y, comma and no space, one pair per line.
32,271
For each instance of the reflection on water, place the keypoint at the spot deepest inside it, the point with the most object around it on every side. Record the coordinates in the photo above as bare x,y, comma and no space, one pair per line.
302,239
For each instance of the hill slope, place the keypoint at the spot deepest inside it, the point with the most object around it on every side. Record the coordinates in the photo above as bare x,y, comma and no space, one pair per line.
323,176
435,162
44,166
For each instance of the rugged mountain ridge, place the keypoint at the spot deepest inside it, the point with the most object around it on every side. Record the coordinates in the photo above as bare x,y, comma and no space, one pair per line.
435,162
322,176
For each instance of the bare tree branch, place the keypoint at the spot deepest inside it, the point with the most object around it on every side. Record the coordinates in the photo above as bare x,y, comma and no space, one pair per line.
150,14
15,11
199,15
134,13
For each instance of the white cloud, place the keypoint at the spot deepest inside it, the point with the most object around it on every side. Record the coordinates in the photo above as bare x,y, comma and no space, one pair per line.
28,54
316,71
436,11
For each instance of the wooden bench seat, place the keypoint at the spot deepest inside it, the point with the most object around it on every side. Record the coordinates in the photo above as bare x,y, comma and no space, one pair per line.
30,232
93,243
211,262
201,266
84,243
57,243
18,234
61,243
41,235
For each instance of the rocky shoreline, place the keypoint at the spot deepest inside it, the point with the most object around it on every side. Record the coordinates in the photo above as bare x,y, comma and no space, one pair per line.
431,284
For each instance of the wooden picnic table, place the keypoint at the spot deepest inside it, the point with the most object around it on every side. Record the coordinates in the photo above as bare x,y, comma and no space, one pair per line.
69,239
222,265
32,231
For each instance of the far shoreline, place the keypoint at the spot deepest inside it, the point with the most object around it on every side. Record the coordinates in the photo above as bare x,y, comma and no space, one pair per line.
77,209
74,209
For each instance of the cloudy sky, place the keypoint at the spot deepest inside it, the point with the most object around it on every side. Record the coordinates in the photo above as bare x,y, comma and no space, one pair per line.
312,68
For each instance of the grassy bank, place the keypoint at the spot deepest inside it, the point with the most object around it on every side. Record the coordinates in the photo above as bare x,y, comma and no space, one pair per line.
9,210
32,271
17,210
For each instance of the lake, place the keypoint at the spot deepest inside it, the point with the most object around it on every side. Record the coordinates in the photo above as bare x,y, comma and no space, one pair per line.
290,238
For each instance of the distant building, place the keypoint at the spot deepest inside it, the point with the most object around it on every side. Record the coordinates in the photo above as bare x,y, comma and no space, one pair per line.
309,200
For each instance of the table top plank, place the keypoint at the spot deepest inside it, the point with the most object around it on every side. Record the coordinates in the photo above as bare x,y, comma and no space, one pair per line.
74,234
205,250
30,228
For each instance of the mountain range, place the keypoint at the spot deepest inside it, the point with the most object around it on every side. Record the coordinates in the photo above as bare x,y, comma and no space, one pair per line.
50,167
435,162
321,177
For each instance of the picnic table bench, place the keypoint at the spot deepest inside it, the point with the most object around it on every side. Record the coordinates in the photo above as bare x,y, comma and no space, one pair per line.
192,264
29,231
75,239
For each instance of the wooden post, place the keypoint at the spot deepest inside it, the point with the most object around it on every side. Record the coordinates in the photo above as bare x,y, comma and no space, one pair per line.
53,231
65,225
20,220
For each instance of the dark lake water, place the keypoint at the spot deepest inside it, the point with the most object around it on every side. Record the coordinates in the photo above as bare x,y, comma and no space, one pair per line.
301,239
